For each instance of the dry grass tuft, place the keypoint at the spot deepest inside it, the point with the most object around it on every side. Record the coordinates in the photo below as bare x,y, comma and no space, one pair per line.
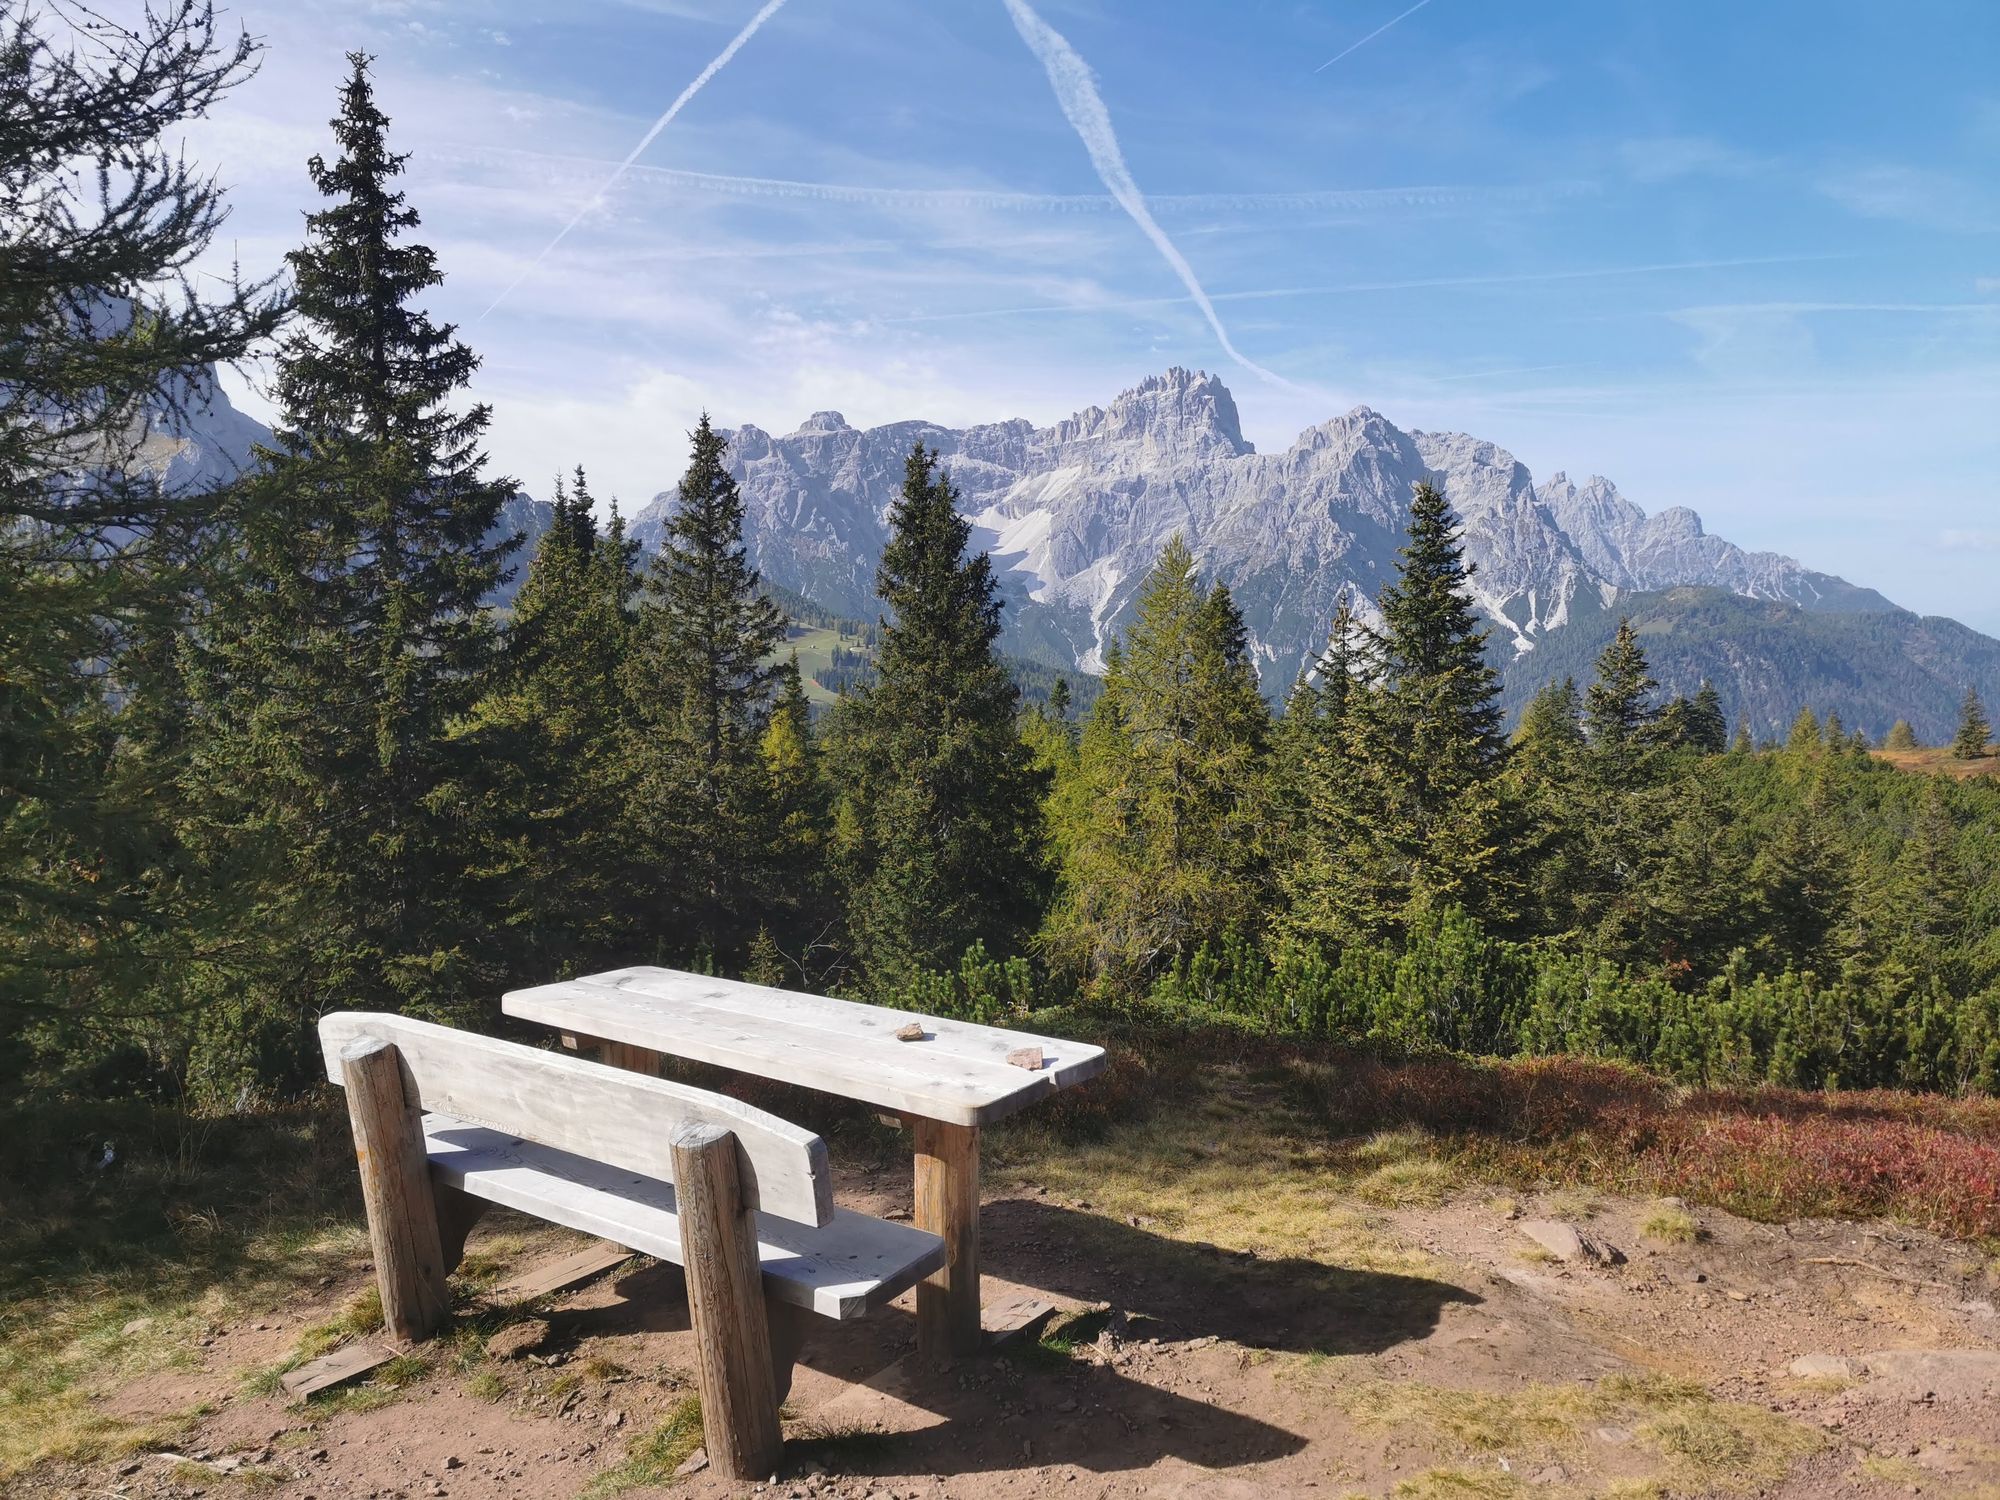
1670,1224
652,1458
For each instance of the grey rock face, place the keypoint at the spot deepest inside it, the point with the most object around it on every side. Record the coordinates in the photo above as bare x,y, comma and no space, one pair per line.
1075,513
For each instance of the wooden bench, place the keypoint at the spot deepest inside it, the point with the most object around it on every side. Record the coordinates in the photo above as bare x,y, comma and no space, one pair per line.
447,1123
946,1079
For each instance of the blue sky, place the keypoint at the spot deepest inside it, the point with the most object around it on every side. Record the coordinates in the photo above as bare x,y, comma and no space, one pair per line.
1740,257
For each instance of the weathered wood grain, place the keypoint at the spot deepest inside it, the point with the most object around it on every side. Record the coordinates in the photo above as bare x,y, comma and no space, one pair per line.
958,1073
840,1271
614,1116
332,1369
739,1404
947,1205
395,1189
555,1275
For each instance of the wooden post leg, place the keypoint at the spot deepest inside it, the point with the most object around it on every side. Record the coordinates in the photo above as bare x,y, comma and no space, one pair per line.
787,1322
615,1054
396,1188
739,1405
947,1204
632,1059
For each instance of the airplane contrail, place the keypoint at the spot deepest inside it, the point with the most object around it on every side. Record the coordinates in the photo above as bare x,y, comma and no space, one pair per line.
769,9
1076,91
1371,36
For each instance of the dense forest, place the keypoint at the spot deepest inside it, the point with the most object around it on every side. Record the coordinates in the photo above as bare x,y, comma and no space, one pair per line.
263,752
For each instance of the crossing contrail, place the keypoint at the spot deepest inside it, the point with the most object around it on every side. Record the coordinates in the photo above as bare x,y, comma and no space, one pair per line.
1076,91
1371,36
770,9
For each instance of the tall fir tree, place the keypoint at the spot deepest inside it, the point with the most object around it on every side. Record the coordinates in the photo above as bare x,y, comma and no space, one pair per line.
801,922
1618,713
703,676
1708,730
105,342
1408,814
333,663
1159,832
1900,737
551,776
941,812
1975,732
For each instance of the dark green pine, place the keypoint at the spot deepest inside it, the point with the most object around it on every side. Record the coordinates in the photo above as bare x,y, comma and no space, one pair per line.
942,790
702,680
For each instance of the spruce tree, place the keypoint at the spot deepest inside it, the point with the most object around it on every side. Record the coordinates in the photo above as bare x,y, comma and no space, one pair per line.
798,838
1161,849
1901,736
335,660
550,773
942,797
702,679
106,343
1410,816
1804,737
1618,714
1708,730
1740,743
1974,732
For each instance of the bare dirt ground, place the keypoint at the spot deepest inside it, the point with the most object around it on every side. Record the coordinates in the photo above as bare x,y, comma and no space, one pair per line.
1250,1313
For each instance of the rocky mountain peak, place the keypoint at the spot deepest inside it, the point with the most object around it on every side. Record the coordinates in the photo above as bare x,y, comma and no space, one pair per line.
1172,417
824,421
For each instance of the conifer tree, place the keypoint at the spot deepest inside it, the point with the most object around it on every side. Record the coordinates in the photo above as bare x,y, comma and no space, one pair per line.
701,679
1804,737
1900,737
1708,730
942,798
1974,732
1414,818
1740,743
798,840
1546,784
334,663
105,342
1833,733
551,772
1161,840
1618,714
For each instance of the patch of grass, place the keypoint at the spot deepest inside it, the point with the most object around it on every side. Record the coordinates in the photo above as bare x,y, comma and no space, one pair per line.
1407,1184
1460,1484
1887,1468
486,1385
1670,1224
1706,1445
599,1368
651,1458
1248,1174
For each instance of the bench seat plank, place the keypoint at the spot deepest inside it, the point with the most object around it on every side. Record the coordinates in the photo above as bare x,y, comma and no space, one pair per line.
840,1271
596,1112
958,1074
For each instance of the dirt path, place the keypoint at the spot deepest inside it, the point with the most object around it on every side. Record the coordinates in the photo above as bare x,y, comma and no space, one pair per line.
1328,1346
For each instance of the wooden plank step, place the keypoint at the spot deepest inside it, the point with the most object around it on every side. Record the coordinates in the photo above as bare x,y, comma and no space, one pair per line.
556,1275
1018,1317
344,1364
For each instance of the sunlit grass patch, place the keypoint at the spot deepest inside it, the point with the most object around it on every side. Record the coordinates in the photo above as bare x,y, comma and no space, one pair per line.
652,1457
1705,1444
1670,1224
1242,1171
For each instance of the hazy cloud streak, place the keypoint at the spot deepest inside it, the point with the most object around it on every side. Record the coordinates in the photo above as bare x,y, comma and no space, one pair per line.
1347,51
1076,91
769,9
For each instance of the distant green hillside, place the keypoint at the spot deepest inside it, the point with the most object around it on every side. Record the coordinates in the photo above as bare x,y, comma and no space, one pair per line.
834,653
1769,660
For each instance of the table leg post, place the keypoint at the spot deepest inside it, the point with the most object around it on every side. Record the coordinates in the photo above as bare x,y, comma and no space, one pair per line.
947,1204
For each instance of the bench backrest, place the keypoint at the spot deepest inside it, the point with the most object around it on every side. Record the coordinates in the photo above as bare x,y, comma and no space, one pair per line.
624,1119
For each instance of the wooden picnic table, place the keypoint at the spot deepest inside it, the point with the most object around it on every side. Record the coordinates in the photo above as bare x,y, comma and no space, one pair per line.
956,1079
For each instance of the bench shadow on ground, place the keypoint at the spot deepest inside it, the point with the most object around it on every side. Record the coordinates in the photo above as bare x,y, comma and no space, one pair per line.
1005,1411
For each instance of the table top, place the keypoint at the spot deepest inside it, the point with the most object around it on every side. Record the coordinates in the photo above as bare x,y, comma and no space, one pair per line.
958,1073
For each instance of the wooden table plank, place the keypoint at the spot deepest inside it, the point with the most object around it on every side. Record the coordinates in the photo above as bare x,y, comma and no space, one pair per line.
958,1074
